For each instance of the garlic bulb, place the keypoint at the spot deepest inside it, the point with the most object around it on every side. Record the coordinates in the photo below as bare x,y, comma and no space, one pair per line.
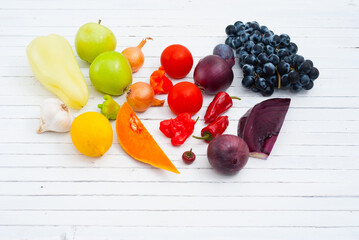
54,116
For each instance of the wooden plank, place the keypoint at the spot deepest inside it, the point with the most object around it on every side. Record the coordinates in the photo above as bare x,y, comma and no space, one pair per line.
182,218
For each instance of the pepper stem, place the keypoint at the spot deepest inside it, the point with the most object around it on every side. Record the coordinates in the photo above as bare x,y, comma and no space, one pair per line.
143,42
207,137
99,21
189,153
234,97
196,120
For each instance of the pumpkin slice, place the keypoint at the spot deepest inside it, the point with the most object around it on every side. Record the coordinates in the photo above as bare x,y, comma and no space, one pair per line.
137,142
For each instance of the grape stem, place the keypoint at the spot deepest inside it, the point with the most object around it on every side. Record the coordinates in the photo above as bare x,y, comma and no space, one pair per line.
279,79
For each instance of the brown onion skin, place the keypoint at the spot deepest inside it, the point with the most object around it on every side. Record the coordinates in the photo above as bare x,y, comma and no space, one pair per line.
140,96
228,154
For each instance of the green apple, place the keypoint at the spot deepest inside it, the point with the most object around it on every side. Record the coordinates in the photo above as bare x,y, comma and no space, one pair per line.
111,73
93,39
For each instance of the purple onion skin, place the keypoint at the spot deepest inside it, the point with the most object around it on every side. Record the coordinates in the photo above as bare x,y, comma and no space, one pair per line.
228,154
213,74
225,52
260,126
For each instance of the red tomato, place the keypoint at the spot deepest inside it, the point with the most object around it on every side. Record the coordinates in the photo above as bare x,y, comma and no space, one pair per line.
185,97
177,61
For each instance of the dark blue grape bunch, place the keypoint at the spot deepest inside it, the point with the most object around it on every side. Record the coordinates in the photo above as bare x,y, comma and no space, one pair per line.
269,61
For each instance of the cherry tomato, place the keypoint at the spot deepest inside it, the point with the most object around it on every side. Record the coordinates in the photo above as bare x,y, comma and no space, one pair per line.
185,97
177,61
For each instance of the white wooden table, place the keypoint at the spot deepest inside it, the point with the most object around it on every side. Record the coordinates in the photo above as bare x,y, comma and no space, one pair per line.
307,189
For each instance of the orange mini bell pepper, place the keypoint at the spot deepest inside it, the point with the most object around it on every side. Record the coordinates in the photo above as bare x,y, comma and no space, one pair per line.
159,82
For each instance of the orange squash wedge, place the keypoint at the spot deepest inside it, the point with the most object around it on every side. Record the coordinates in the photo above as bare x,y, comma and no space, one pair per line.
137,141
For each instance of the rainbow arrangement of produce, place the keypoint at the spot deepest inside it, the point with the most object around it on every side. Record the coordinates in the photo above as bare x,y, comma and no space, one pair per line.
269,62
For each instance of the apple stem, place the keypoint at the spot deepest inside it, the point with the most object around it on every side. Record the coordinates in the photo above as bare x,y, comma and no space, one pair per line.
99,21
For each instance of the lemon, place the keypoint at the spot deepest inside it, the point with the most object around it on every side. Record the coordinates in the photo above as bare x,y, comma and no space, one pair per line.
91,133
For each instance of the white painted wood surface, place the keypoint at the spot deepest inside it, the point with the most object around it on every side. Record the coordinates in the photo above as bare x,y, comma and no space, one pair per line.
307,189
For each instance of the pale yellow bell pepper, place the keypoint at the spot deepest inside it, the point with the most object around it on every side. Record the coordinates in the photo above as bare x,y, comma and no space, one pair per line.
54,64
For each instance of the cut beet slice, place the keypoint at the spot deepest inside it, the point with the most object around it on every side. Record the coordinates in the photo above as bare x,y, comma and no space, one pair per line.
260,126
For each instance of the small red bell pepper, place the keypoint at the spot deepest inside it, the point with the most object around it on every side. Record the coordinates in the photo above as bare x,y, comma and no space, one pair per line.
178,129
221,103
159,82
214,129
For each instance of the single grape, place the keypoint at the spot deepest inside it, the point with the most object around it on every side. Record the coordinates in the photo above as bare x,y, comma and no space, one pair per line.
310,62
282,52
256,36
262,58
254,89
258,70
260,83
250,59
298,59
269,69
254,26
284,82
304,67
248,70
238,24
248,31
314,73
292,48
309,85
268,91
274,41
291,57
248,81
231,30
257,49
244,37
269,49
240,30
263,29
283,68
266,37
239,51
261,44
296,87
272,81
243,56
229,41
293,76
249,45
237,43
287,59
284,39
273,58
304,79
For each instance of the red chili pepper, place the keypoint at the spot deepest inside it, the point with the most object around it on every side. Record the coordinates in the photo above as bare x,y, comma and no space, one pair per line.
188,156
221,103
178,129
159,82
214,129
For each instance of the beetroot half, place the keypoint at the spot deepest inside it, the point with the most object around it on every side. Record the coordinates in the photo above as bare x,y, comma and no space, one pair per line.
260,126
